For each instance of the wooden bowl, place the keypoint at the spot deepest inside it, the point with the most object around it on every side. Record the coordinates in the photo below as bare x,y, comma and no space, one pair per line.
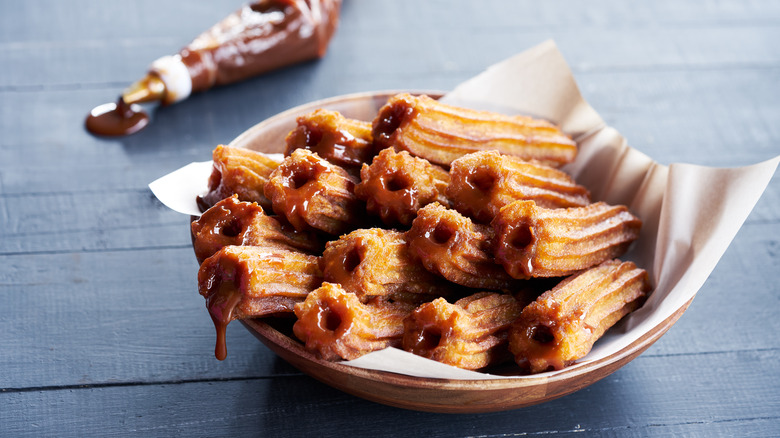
417,393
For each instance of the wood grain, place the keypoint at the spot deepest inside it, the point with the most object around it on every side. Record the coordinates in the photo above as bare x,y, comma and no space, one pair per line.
103,329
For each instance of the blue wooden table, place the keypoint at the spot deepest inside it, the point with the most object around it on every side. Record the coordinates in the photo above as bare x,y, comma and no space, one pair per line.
103,332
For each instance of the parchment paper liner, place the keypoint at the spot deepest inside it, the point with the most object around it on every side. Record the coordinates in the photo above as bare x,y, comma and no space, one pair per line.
690,213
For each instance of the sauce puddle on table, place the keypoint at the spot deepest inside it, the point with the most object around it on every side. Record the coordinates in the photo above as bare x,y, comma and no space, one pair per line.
116,119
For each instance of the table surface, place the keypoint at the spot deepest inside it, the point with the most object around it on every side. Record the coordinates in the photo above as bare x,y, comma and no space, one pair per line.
104,332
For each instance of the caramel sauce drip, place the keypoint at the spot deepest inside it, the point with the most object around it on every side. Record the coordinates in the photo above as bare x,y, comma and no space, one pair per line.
116,119
224,294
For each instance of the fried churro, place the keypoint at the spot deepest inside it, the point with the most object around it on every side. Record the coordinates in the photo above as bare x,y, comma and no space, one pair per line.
342,141
451,245
562,325
483,182
312,193
532,241
233,222
238,171
336,325
442,133
396,185
246,281
375,263
469,334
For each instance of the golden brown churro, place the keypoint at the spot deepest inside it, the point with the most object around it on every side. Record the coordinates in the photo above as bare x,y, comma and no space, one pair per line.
442,133
375,263
314,194
246,281
470,334
342,141
562,325
483,182
532,241
451,245
233,222
335,324
238,171
396,185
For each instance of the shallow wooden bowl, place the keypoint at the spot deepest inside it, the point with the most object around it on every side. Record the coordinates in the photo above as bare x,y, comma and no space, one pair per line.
423,394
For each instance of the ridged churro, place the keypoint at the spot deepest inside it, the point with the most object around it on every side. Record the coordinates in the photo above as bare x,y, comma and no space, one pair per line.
238,171
336,325
451,245
562,325
312,193
483,182
375,263
442,133
342,141
233,222
470,334
396,185
532,241
247,281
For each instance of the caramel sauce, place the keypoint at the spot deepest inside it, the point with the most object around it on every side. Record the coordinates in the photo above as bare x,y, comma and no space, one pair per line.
221,303
389,119
519,244
116,119
477,193
542,346
297,198
423,341
339,147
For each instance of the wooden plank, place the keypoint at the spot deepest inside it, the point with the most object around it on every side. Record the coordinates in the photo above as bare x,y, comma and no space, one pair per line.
64,55
114,317
53,67
24,22
104,329
672,116
646,397
135,316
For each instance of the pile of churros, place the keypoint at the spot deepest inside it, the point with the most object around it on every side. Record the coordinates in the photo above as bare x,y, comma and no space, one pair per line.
448,232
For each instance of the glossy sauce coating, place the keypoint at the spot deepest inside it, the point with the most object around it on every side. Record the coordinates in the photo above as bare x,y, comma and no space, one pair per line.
337,325
451,245
232,222
116,119
396,185
312,193
342,141
246,281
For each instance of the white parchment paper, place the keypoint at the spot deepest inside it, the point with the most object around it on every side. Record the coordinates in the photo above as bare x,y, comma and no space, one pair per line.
690,213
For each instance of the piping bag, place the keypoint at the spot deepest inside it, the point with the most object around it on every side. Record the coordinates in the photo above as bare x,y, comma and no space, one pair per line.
259,37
